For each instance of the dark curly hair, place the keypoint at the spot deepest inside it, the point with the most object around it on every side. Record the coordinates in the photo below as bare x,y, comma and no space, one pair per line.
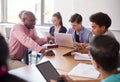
101,19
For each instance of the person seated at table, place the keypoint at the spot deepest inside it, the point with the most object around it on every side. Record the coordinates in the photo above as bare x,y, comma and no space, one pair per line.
23,37
104,51
4,53
57,24
101,23
81,35
26,58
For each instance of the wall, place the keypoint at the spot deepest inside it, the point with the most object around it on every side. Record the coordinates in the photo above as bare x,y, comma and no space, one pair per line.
88,7
65,7
2,30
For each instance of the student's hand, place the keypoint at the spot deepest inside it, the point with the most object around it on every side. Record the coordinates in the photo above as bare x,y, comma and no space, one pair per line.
77,46
81,47
66,78
48,53
81,44
84,50
53,81
84,45
42,51
51,40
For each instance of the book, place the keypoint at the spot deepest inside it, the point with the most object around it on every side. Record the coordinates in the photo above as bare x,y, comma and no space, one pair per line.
81,56
50,46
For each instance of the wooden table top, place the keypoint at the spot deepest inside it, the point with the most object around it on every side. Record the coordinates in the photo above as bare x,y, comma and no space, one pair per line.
63,64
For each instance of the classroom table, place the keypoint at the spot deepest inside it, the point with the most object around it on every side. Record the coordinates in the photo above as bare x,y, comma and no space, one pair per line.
63,61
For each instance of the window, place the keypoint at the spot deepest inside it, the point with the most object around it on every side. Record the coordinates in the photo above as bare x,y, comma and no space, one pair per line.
48,9
15,6
0,10
10,9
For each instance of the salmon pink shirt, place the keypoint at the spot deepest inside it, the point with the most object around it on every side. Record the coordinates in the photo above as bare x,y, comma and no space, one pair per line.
21,39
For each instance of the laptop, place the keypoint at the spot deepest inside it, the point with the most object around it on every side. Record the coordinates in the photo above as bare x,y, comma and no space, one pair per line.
49,72
64,40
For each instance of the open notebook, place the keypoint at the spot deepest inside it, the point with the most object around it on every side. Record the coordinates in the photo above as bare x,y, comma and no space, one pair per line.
81,56
84,70
64,40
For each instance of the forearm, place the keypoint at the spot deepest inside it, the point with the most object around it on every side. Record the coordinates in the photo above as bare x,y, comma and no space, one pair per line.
95,80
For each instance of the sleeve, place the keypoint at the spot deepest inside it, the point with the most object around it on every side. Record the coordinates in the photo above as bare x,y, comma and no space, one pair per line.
68,31
64,29
25,40
90,35
51,30
37,39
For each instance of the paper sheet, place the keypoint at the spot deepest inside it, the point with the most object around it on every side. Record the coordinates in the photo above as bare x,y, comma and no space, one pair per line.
84,70
80,56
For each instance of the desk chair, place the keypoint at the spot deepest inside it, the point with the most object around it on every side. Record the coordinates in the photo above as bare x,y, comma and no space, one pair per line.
39,57
27,57
30,55
7,32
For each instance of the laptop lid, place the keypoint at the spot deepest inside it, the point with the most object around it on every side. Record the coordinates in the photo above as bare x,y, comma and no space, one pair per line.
48,71
64,40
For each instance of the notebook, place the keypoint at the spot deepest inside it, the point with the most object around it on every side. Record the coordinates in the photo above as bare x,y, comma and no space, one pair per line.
84,70
64,40
48,71
81,56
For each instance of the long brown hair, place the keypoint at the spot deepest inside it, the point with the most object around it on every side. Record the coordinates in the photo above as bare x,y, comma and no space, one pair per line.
58,15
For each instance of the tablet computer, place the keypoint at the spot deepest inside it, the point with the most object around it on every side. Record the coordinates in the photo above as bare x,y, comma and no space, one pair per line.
48,71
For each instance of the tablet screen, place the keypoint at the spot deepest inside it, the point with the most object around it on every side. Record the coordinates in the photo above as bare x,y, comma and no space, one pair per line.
48,71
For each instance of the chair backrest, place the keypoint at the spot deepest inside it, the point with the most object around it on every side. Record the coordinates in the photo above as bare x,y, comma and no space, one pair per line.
7,31
116,34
